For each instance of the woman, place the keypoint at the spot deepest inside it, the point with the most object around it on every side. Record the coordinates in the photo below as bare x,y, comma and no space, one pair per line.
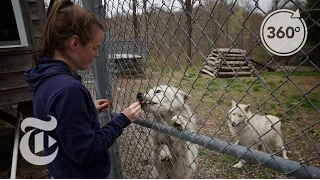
70,41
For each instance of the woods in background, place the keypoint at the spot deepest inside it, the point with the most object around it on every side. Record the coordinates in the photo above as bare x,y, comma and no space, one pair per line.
197,27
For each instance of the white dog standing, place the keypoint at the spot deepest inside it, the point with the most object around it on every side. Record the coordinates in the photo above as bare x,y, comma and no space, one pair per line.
247,128
172,157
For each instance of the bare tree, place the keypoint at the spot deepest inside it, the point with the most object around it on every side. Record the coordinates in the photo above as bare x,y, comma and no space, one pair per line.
232,8
187,6
135,20
247,9
147,16
276,4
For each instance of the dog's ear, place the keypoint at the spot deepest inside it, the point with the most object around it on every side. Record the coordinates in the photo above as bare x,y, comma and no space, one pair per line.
246,109
233,103
185,95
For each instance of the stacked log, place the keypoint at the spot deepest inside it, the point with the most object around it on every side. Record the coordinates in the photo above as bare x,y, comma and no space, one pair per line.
224,63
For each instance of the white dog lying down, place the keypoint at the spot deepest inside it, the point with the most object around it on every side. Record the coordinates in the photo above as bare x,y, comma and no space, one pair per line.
172,157
248,128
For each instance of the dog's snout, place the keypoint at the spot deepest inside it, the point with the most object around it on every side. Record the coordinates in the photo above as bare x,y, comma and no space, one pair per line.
233,124
140,97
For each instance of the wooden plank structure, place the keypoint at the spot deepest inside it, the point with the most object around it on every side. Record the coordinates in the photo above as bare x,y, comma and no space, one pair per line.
16,57
129,65
21,22
225,63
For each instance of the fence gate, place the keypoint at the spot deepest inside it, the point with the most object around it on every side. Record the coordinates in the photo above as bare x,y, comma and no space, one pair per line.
176,43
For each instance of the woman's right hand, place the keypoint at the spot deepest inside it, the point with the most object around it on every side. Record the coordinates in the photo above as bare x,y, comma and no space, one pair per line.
133,111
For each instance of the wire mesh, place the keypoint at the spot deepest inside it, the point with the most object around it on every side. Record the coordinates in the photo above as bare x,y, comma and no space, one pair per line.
212,51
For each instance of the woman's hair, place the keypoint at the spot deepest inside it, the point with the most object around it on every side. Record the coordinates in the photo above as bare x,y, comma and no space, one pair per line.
65,20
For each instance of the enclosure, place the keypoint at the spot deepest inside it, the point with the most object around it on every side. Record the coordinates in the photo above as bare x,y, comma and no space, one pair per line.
211,50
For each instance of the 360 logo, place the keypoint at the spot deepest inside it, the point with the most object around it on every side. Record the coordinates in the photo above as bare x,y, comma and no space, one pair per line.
284,32
27,154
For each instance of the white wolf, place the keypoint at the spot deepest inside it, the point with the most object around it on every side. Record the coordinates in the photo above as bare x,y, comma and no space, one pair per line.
172,157
248,128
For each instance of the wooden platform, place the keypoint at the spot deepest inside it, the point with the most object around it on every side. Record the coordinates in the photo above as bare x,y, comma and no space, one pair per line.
225,63
129,65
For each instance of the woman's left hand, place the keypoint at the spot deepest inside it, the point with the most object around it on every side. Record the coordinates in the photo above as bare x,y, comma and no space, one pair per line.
101,105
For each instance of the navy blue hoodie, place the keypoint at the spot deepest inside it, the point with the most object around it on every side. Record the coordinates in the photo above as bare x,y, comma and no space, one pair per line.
83,145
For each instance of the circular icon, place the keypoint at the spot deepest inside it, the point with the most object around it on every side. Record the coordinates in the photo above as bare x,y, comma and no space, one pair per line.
283,32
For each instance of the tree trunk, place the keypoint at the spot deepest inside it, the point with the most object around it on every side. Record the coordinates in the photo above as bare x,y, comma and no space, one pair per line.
188,11
146,15
135,20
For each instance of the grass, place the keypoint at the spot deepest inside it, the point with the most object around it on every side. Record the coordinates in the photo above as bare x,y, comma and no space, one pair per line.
311,101
213,86
256,88
204,152
315,134
295,73
272,85
280,115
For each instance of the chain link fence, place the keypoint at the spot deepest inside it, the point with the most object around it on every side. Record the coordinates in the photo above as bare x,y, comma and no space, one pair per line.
212,51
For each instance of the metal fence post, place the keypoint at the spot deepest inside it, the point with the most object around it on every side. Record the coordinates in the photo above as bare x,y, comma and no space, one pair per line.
103,82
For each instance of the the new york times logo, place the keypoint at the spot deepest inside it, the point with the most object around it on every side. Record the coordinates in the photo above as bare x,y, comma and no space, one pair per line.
27,154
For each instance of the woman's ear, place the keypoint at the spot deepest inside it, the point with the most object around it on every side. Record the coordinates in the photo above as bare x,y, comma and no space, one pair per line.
74,42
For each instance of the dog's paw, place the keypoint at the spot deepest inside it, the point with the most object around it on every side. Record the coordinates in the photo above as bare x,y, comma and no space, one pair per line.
177,123
164,154
238,165
166,159
178,126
